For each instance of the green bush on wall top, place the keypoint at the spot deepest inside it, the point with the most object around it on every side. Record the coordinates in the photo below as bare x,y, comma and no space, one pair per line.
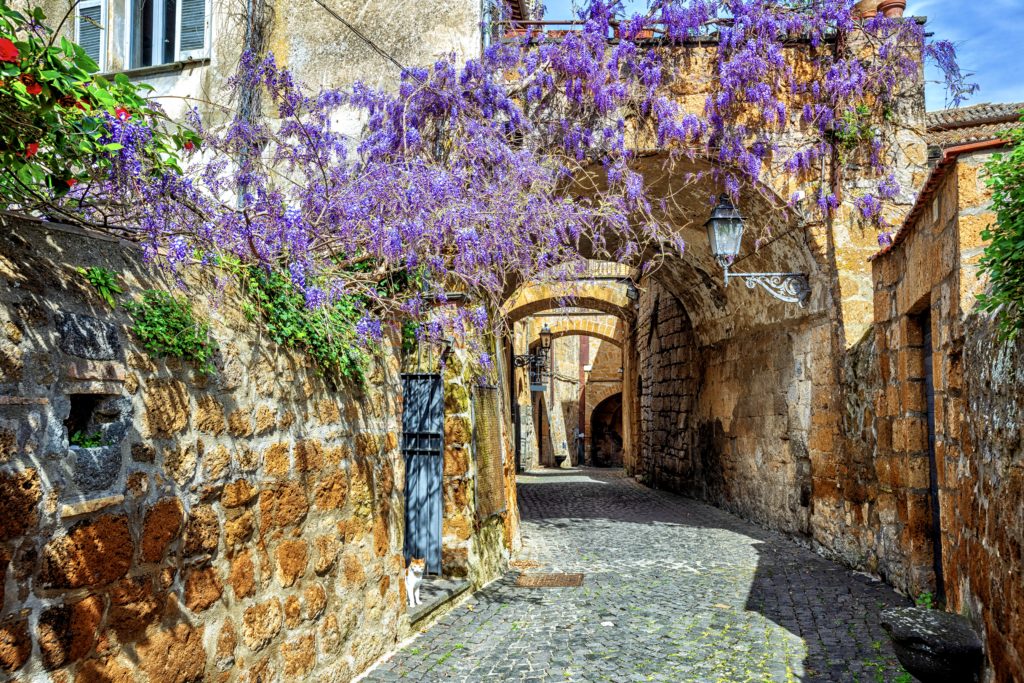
1003,260
165,325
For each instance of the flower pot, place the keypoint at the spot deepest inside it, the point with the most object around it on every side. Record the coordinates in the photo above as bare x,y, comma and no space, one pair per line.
642,34
866,9
892,8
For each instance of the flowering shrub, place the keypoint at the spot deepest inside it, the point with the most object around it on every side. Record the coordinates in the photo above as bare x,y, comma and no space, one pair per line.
55,120
514,166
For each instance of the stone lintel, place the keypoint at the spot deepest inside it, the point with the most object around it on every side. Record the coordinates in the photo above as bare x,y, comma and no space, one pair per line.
88,506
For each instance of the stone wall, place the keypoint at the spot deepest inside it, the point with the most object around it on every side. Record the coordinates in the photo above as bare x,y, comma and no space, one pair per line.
983,527
668,370
318,48
246,525
723,424
892,459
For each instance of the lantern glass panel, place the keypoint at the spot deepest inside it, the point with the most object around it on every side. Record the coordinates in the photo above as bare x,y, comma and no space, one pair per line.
725,236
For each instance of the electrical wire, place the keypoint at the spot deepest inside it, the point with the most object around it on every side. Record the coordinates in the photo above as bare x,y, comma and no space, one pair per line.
373,46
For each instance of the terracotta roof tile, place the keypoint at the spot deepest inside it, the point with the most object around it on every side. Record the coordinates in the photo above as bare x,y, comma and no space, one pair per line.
976,123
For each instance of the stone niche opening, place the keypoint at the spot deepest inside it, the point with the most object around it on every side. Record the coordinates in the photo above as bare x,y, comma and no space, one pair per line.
81,413
99,423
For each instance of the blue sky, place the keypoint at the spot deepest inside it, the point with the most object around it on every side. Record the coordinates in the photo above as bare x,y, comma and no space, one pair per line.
989,35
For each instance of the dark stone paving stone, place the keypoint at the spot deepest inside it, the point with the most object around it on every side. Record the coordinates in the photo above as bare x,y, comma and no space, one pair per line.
675,590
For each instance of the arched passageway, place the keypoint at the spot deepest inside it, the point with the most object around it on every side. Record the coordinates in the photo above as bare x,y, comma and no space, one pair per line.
606,432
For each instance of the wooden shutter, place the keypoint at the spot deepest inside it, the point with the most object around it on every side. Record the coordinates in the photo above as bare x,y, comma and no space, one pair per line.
192,29
89,30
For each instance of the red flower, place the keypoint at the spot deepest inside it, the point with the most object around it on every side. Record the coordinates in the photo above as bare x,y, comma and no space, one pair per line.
189,145
29,81
8,53
122,114
71,182
31,149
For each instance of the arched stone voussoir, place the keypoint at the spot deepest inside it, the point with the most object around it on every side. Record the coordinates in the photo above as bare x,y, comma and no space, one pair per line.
607,296
607,328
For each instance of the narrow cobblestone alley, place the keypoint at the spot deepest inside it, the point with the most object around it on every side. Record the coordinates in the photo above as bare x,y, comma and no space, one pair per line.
674,590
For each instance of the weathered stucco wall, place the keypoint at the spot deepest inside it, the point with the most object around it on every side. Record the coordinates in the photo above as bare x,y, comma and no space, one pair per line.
319,49
243,526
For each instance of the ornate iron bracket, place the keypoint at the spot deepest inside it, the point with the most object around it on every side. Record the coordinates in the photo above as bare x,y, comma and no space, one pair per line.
537,364
794,288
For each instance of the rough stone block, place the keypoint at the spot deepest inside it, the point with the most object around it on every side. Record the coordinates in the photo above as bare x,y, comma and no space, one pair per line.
174,655
97,468
261,623
161,527
202,531
20,493
67,633
92,554
242,575
292,557
15,644
203,588
133,606
167,407
87,337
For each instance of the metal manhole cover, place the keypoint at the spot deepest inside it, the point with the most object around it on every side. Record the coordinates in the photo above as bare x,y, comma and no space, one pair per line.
550,580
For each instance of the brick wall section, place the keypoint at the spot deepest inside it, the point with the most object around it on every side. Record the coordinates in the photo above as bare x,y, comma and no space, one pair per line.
241,526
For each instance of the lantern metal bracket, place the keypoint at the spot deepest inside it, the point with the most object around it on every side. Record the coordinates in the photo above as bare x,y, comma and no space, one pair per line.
794,288
537,364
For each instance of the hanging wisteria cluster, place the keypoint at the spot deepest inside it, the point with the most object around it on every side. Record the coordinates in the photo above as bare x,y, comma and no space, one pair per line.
515,166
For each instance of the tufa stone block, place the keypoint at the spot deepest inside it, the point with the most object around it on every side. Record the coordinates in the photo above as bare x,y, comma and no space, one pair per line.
92,554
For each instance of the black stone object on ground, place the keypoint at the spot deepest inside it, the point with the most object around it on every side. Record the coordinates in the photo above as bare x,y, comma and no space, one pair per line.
934,646
87,337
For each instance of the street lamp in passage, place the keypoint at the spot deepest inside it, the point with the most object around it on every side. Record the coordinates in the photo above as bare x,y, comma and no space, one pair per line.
537,362
725,233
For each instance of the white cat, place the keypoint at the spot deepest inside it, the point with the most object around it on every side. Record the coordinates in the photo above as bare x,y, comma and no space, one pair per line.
413,579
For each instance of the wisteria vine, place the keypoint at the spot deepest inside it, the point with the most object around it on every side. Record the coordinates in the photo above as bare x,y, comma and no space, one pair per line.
516,166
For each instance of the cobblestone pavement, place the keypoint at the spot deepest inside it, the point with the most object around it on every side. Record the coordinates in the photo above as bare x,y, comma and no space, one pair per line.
675,590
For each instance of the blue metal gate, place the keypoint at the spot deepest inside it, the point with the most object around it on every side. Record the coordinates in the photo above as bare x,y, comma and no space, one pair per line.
423,448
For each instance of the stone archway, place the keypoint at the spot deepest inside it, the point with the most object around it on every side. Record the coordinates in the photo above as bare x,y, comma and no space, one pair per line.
612,297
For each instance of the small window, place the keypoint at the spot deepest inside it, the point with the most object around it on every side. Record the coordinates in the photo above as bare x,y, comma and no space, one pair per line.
166,31
89,22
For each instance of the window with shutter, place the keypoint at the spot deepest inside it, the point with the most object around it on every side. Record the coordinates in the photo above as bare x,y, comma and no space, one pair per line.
165,31
191,29
89,24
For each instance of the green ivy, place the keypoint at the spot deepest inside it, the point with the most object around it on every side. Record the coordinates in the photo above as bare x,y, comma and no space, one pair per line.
104,282
167,326
327,334
854,128
1003,260
83,440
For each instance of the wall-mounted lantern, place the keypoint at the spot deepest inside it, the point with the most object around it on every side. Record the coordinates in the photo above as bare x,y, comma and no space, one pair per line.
537,362
725,233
